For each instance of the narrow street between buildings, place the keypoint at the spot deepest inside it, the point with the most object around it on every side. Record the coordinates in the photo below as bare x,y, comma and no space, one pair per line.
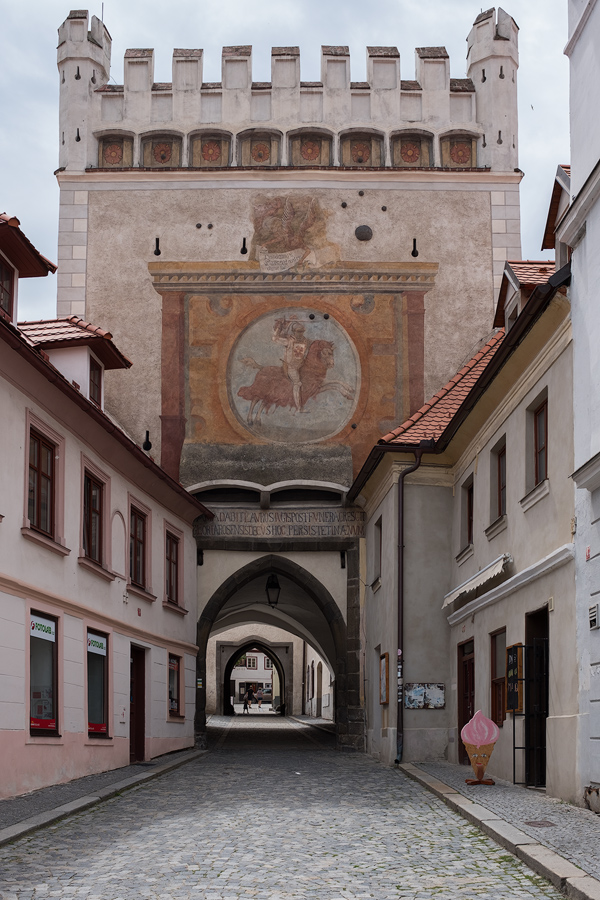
272,812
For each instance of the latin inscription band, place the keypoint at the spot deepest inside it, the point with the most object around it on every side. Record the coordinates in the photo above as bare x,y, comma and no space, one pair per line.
284,523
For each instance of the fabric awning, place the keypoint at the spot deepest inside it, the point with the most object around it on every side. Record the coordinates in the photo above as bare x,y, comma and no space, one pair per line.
485,574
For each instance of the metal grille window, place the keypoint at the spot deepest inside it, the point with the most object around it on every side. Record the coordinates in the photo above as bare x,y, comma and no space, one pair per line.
498,661
137,548
172,568
92,517
40,505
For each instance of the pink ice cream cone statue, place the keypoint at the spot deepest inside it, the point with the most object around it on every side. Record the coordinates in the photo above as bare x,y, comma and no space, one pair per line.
479,736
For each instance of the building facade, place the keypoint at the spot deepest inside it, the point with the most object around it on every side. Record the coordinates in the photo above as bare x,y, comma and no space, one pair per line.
293,246
578,231
97,564
485,587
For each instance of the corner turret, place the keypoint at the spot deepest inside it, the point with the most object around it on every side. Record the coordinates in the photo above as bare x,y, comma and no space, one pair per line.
84,65
492,63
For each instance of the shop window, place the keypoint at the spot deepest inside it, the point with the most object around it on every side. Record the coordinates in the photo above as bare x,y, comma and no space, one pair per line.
498,661
174,685
40,503
137,547
93,491
412,151
362,150
161,152
95,382
6,289
43,674
97,674
115,152
459,152
310,150
210,151
259,150
172,568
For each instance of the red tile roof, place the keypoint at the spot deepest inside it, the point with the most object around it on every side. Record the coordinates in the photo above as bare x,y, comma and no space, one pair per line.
432,419
74,332
532,271
528,273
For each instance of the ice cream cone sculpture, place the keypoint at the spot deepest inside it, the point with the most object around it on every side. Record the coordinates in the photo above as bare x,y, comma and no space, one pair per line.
479,736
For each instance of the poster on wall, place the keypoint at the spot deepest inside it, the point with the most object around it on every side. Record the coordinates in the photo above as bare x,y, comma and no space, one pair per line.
514,678
384,678
424,695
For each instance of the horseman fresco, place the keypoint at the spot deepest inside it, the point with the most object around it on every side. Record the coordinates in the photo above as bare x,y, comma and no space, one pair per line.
293,358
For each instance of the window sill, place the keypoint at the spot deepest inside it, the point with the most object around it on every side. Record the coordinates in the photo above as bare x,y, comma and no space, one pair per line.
106,739
497,527
44,541
95,567
55,739
174,607
175,717
465,554
540,491
140,592
376,585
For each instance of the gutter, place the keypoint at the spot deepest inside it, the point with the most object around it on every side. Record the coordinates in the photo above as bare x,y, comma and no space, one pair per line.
13,338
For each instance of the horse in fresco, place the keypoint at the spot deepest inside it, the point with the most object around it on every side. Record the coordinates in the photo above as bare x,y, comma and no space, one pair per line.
272,388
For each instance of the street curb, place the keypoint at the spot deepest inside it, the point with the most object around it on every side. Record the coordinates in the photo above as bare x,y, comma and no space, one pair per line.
563,874
20,829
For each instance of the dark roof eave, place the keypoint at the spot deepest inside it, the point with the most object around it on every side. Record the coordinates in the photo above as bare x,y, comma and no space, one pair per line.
10,334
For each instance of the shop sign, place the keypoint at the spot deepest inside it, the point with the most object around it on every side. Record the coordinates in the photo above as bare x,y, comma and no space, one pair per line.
96,644
42,628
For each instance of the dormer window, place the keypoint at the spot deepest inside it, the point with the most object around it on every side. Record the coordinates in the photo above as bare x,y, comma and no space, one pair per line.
6,289
95,382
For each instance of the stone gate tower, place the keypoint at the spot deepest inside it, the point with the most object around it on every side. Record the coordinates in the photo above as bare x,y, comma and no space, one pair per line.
292,267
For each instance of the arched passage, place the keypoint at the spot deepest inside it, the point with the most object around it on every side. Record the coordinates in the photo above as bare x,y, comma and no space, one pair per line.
234,656
324,608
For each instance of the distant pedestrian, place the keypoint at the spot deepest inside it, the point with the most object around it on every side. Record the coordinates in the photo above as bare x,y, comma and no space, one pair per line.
245,708
250,693
259,697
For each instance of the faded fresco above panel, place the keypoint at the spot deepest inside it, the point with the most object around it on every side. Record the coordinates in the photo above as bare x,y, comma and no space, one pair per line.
294,376
290,233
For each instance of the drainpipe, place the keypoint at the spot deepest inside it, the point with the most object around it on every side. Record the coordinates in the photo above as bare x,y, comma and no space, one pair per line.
407,471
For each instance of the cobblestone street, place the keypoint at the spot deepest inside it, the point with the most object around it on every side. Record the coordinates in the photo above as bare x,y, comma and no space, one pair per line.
273,812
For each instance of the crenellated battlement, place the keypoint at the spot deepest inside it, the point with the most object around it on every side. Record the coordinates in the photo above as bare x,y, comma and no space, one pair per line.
431,121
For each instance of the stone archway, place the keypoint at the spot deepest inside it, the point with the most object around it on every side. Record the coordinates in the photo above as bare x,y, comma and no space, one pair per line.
235,655
349,717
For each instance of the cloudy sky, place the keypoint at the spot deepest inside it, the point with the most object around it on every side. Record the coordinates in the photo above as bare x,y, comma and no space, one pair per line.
29,81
